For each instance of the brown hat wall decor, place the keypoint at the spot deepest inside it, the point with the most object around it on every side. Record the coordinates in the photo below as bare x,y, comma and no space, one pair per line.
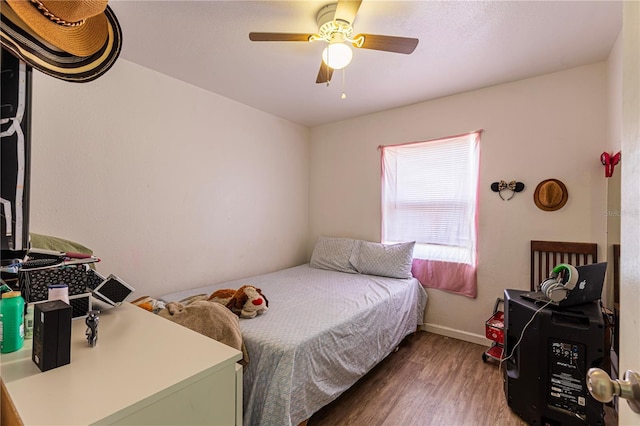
550,195
72,40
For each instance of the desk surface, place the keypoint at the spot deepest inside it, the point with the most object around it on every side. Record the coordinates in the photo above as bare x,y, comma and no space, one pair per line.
139,357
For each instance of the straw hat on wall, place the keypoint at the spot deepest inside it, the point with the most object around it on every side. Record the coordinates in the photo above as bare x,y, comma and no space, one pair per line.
550,195
73,40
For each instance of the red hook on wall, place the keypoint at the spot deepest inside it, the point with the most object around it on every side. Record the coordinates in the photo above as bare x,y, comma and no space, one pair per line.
609,162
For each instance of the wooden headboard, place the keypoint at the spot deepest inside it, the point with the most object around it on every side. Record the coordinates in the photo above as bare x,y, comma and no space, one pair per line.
547,254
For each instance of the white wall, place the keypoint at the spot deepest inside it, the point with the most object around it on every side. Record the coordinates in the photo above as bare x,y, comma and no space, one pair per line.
614,92
552,126
172,186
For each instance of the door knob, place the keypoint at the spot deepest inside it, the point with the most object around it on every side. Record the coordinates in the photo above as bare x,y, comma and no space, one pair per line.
603,389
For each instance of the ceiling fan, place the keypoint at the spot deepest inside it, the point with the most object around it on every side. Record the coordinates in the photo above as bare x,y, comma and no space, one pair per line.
335,27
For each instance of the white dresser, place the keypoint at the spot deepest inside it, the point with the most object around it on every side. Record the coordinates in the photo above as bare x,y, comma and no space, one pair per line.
144,370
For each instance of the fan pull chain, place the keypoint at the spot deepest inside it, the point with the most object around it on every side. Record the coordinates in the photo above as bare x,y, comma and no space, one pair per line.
344,95
327,67
327,74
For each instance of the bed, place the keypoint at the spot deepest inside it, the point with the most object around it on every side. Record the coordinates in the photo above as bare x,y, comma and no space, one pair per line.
324,329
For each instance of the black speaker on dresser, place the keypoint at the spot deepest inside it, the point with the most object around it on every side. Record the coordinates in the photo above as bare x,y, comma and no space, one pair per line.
545,379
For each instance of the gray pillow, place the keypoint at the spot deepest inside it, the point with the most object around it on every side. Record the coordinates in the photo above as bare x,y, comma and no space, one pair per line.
333,254
393,260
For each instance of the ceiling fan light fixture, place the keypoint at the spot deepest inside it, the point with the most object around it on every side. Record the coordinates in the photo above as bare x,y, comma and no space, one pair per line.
337,55
335,27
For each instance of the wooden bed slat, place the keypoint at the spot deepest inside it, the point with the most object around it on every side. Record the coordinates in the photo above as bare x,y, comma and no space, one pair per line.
547,254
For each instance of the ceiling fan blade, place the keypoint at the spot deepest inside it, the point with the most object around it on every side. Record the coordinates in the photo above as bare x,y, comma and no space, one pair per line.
388,43
279,37
346,10
325,73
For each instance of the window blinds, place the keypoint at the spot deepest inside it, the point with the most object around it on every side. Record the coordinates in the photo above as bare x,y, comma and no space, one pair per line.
429,195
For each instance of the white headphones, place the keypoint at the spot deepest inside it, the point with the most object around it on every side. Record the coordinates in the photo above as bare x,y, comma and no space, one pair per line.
562,279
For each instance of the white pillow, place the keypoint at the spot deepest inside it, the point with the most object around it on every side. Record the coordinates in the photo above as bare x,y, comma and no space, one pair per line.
333,254
393,260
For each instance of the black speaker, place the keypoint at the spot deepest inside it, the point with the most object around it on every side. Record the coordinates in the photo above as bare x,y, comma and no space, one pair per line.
545,378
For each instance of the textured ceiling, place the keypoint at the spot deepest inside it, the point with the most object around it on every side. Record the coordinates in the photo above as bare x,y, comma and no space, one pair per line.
463,46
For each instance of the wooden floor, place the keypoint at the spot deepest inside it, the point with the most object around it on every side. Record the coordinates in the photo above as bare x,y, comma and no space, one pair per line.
430,380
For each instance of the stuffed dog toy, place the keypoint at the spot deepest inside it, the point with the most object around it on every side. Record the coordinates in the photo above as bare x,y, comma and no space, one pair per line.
246,302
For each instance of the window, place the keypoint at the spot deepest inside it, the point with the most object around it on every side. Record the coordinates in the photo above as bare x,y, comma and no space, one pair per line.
429,195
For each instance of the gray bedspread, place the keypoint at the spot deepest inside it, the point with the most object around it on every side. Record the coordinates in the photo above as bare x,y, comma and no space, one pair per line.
323,331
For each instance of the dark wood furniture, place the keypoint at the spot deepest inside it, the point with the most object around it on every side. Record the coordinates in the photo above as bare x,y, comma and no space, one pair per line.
547,254
616,299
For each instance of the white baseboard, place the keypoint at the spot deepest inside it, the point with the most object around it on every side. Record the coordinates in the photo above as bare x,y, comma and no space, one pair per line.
478,339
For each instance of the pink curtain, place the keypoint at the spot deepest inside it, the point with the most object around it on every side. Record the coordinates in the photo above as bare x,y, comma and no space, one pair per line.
458,278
